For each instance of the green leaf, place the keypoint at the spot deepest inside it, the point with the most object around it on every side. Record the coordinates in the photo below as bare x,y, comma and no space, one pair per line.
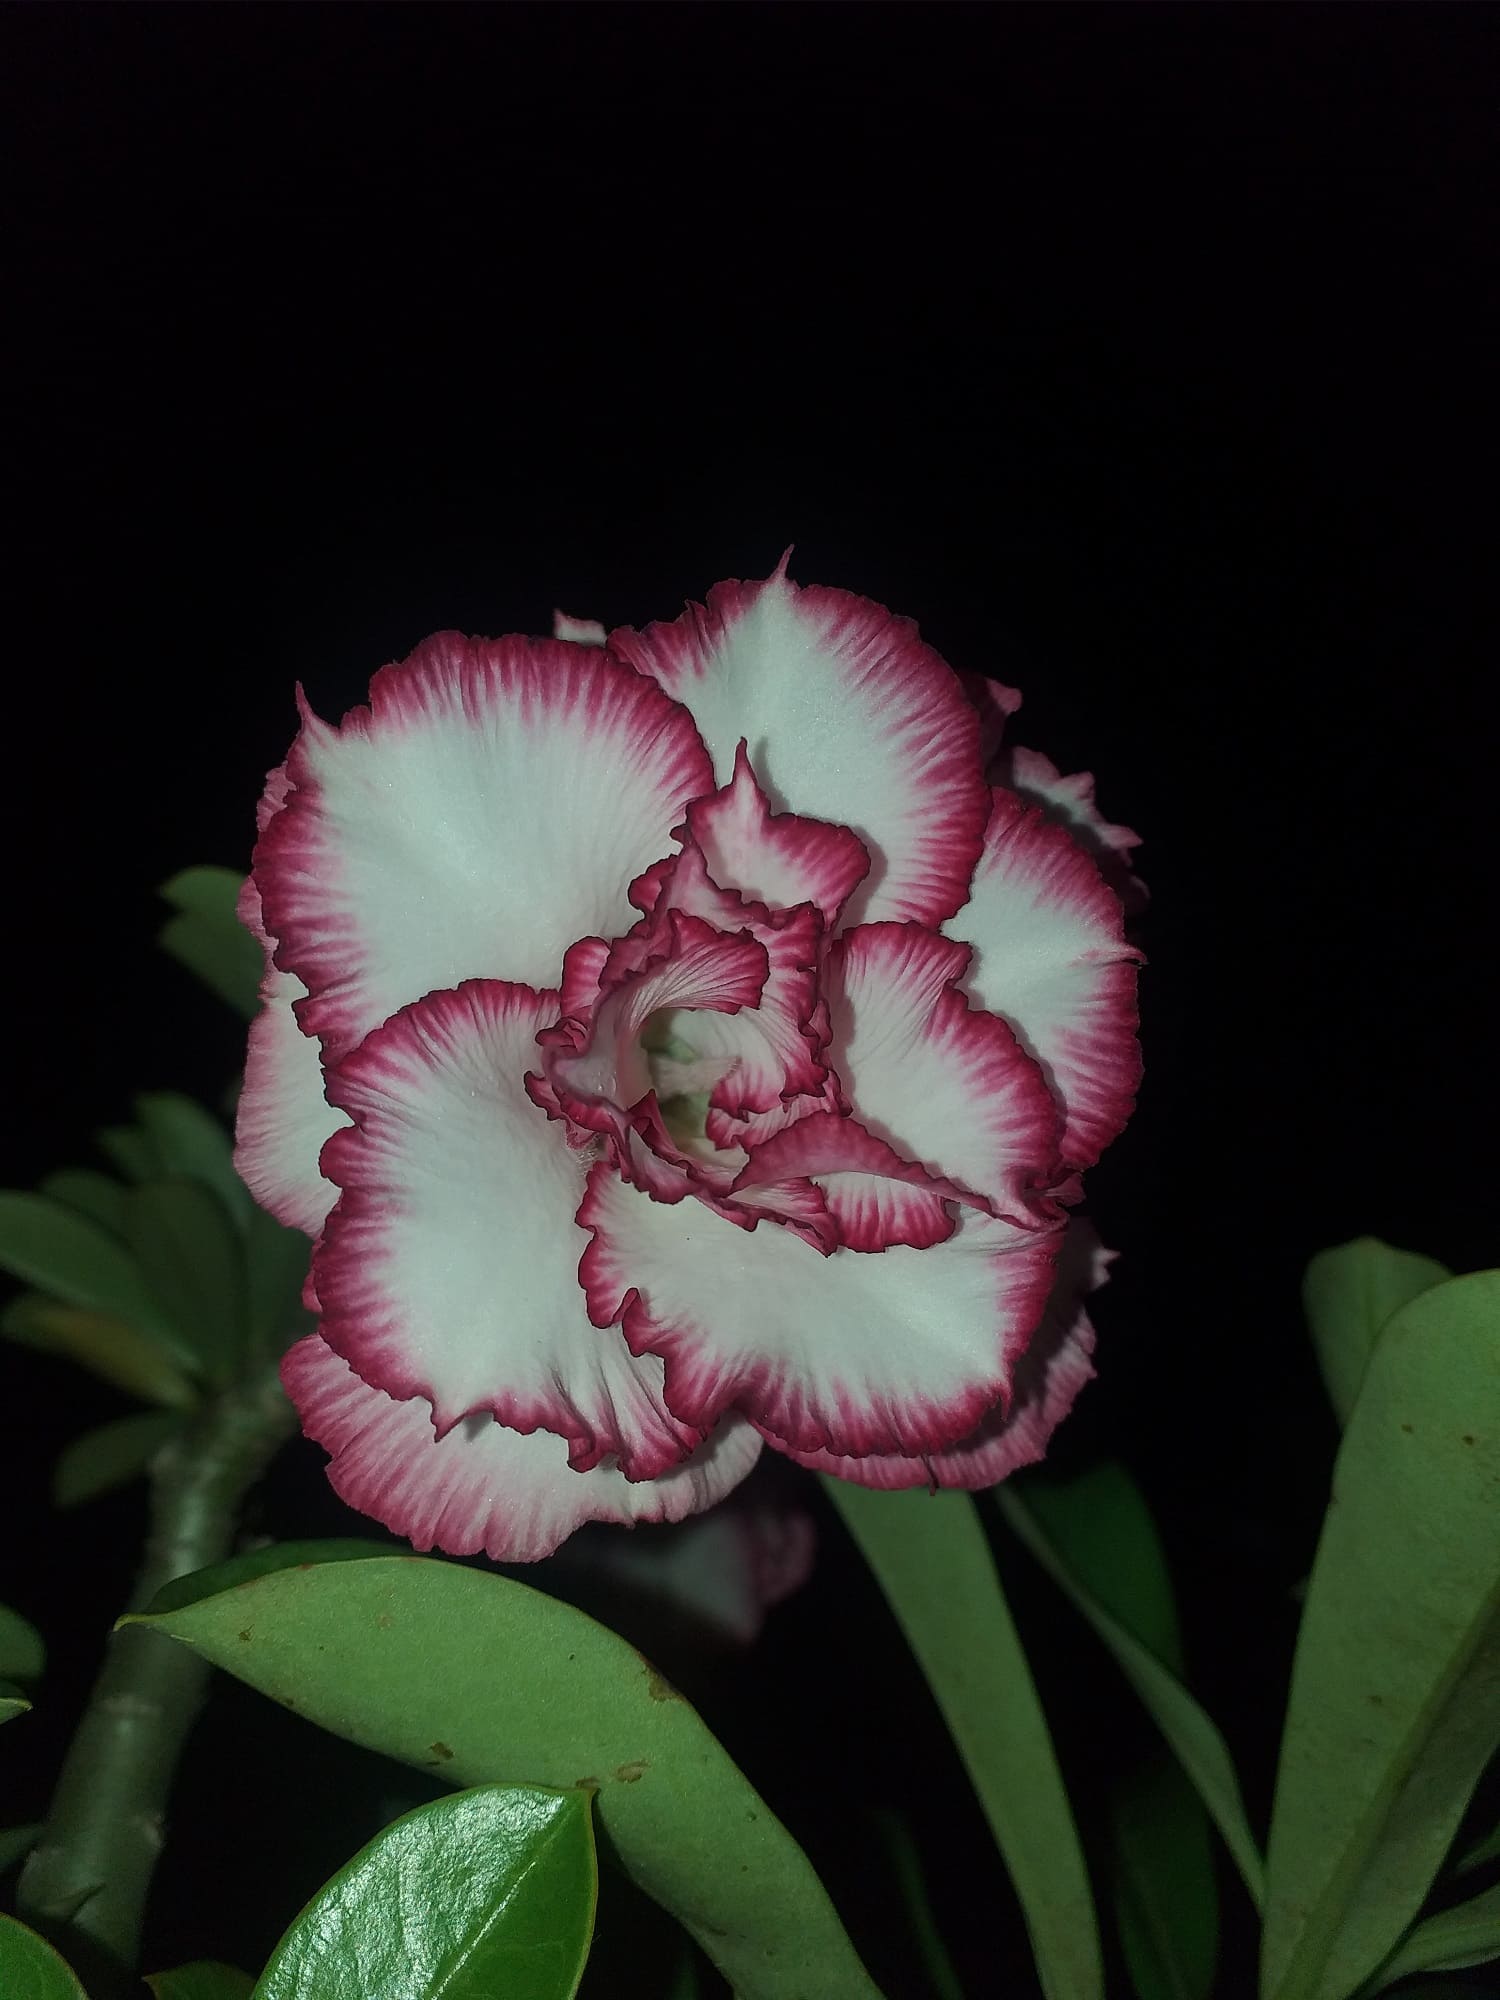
1448,1942
132,1360
1395,1700
65,1255
93,1194
16,1842
1194,1739
204,1979
929,1555
22,1653
487,1892
192,1143
12,1702
1166,1895
193,1262
208,938
32,1970
906,1865
111,1456
131,1151
1348,1294
464,1672
1100,1526
1482,1852
276,1262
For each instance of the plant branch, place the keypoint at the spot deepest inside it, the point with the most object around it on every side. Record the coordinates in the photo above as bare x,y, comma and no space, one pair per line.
87,1878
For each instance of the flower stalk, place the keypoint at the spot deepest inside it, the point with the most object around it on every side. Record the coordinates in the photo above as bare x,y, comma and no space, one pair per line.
87,1879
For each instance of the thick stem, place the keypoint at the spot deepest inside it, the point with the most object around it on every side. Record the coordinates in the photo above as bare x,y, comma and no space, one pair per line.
85,1883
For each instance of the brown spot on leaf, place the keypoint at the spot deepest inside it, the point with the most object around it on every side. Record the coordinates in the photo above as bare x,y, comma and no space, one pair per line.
587,1784
441,1752
1467,1439
1375,1700
629,1774
659,1687
246,1633
1407,1429
384,1621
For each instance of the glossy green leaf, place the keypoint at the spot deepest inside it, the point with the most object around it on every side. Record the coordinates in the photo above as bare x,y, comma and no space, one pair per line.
204,1979
111,1456
30,1969
192,1259
276,1265
22,1653
464,1672
1166,1894
916,1906
929,1554
207,937
1449,1942
489,1892
1348,1294
12,1701
73,1260
16,1842
1395,1700
193,1144
90,1192
130,1149
1194,1739
138,1362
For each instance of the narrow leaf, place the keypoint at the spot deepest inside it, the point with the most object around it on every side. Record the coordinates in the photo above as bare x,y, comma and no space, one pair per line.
1482,1852
929,1555
192,1143
906,1865
12,1702
487,1892
1395,1700
30,1969
205,891
93,1194
140,1363
204,1979
223,956
1449,1942
22,1653
1166,1897
1348,1294
193,1262
72,1259
1194,1739
16,1842
464,1672
131,1151
110,1457
276,1262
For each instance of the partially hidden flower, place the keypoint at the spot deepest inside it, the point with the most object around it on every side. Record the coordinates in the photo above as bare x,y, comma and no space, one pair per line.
677,1045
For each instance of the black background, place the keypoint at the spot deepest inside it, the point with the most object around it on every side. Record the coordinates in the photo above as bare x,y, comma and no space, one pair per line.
1139,353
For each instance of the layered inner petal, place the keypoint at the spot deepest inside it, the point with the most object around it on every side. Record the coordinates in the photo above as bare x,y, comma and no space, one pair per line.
491,806
846,714
449,1267
902,1352
481,1487
779,859
1049,955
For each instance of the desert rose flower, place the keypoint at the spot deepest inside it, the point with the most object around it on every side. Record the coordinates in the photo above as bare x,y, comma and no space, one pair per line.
676,1045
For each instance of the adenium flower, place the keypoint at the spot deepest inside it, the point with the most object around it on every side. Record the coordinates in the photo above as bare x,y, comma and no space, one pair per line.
677,1046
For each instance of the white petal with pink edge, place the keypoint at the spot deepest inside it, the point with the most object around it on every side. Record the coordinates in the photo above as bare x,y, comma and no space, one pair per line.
876,1198
944,1083
1050,956
847,715
901,1352
1071,802
1048,1377
482,1488
779,859
283,1120
449,1268
491,806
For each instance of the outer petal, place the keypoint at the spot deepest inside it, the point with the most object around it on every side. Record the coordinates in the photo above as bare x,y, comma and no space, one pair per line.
780,859
482,1487
577,631
1071,802
945,1083
491,806
283,1119
449,1268
1017,1431
847,715
1050,956
903,1352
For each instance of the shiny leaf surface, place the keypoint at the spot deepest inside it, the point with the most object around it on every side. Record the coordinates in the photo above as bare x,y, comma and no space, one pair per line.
929,1554
1395,1700
1348,1294
464,1672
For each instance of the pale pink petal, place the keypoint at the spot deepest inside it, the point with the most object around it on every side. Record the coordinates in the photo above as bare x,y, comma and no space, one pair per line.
847,715
283,1119
996,704
1047,1379
944,1083
577,631
482,1488
1050,956
491,806
1071,802
901,1352
876,1198
449,1268
779,859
